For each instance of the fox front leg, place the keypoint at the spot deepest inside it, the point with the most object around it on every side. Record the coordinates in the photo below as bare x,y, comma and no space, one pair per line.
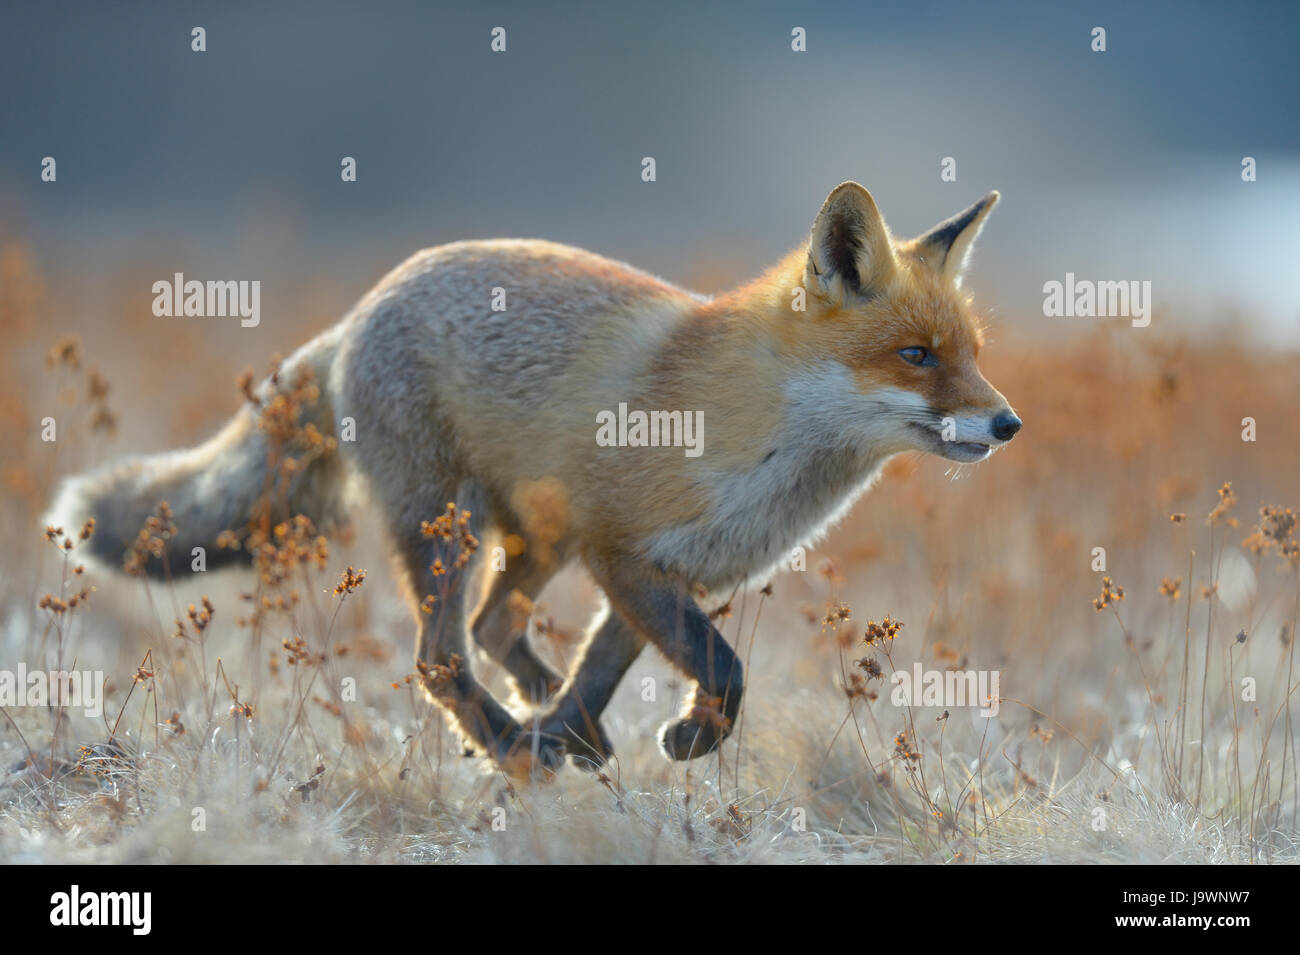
660,608
609,650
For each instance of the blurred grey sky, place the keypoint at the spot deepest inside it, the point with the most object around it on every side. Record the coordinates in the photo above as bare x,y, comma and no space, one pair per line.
1115,165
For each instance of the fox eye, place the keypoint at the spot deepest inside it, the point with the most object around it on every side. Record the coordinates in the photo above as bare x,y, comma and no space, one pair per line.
916,355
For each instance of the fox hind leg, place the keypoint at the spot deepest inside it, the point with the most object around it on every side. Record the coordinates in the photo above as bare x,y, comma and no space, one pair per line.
496,629
441,644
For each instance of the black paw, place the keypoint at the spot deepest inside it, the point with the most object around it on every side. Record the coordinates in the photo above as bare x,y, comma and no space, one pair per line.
589,750
584,741
531,755
686,739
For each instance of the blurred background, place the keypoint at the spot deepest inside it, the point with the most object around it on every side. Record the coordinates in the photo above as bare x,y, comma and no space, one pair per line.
1122,165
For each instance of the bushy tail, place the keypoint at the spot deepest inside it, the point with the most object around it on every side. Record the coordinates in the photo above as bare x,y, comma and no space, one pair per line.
218,486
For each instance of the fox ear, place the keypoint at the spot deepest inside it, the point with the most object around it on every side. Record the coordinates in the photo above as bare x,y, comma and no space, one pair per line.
946,247
849,251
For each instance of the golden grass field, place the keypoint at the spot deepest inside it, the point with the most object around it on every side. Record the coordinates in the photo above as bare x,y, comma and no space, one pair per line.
1124,734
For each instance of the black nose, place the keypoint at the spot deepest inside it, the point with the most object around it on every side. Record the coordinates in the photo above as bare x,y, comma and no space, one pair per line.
1005,426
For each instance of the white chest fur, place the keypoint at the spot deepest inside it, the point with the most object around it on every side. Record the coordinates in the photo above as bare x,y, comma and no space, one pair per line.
831,446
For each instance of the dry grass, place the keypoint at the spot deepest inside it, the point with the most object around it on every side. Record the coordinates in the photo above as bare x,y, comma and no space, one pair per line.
1122,736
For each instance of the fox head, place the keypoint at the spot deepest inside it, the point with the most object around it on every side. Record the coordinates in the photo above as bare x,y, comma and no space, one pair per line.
903,336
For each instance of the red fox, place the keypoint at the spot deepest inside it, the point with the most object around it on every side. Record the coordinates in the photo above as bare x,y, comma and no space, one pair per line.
485,372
